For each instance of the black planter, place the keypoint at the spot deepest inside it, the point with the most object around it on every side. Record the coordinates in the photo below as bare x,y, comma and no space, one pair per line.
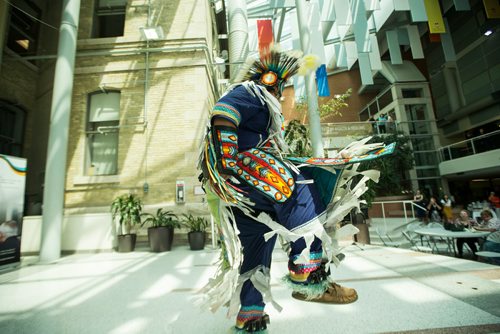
126,242
196,240
160,238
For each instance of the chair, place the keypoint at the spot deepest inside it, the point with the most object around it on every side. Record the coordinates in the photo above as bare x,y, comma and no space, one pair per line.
437,240
413,245
435,225
388,242
487,254
414,226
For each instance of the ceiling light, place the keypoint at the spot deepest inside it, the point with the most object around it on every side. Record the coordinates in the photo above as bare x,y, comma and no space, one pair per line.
488,32
24,43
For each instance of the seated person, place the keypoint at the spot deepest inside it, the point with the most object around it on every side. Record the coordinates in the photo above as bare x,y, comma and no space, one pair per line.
467,222
492,243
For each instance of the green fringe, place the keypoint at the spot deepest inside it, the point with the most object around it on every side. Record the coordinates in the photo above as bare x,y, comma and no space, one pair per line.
311,291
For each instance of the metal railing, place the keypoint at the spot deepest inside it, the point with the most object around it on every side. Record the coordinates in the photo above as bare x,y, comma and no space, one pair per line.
484,143
404,203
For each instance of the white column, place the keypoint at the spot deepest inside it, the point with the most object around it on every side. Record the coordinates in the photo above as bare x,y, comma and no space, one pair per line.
55,170
312,96
237,34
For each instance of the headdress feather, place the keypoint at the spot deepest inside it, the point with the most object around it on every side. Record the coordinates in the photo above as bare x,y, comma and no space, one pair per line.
282,64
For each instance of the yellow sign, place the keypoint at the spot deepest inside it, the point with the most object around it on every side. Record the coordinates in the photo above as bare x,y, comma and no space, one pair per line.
434,17
492,8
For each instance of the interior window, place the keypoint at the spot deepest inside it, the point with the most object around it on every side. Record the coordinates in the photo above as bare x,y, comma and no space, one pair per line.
102,133
23,28
11,129
109,18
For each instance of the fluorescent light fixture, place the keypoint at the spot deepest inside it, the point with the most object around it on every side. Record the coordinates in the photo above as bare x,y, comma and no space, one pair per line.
24,43
152,33
488,32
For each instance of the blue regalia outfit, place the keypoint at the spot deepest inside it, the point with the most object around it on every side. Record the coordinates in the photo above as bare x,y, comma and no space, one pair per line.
257,193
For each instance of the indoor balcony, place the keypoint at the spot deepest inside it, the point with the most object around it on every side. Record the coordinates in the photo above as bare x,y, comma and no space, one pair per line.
478,156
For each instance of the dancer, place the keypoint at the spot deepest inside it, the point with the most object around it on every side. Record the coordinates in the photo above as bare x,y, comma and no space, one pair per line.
255,193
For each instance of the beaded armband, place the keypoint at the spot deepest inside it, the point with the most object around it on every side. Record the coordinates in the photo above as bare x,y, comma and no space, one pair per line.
225,140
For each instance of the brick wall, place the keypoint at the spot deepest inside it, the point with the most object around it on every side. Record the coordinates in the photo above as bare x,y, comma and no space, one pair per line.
178,99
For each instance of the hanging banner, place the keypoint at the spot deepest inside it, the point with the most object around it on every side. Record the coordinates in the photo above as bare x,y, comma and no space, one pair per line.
264,34
12,183
434,17
322,81
492,8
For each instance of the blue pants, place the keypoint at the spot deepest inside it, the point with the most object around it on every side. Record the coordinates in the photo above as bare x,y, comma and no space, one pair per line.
303,206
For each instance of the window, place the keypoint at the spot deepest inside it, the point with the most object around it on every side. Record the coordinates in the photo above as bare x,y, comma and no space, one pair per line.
102,133
23,28
364,115
109,18
385,99
412,93
427,172
11,129
426,158
422,143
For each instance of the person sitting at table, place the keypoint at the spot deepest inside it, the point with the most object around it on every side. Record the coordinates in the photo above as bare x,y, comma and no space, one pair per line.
489,224
492,243
466,221
434,210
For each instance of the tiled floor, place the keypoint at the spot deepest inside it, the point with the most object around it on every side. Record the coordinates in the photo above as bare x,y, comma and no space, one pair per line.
142,292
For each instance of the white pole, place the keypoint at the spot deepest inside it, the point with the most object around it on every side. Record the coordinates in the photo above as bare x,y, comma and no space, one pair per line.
312,96
53,194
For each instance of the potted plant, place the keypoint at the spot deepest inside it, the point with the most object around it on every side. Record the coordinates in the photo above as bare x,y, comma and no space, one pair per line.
161,231
128,208
196,234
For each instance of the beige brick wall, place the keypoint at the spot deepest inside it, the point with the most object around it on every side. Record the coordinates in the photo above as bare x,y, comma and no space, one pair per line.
180,20
178,99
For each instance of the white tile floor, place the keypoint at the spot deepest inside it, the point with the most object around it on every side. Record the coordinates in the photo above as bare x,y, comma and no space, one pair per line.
142,292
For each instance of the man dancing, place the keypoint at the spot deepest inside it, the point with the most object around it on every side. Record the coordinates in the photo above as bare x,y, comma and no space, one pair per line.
256,193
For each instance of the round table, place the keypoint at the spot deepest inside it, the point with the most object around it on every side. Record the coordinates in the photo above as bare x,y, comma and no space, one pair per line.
450,236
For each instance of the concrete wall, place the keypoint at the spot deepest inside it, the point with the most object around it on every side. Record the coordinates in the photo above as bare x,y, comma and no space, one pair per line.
88,232
96,232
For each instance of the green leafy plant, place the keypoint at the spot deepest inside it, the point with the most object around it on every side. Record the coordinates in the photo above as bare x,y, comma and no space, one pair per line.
394,179
297,138
161,218
194,224
334,105
297,134
327,106
128,208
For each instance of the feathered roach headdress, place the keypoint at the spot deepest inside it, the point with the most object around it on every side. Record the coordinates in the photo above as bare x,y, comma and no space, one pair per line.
275,67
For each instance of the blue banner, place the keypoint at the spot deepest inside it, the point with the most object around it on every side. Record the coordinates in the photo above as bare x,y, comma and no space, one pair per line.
322,81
